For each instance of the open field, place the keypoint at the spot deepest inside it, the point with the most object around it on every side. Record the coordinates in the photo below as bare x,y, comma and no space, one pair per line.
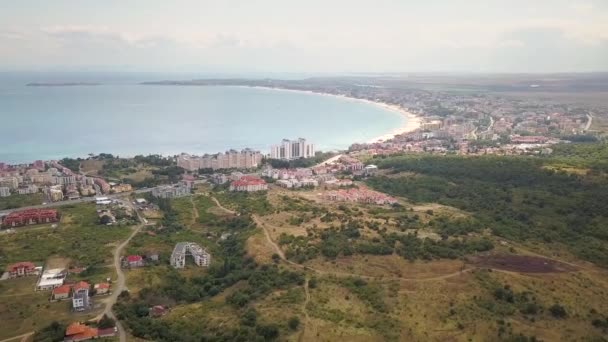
18,201
78,237
23,310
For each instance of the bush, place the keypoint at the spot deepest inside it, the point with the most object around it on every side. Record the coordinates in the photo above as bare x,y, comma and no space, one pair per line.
293,323
558,311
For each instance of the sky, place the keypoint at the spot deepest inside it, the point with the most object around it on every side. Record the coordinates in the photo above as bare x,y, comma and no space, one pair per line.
325,36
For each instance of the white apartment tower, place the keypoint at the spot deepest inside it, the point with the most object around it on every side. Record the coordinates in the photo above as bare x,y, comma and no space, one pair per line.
292,149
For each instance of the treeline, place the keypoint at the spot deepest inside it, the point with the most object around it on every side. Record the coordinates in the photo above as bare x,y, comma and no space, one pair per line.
518,198
302,162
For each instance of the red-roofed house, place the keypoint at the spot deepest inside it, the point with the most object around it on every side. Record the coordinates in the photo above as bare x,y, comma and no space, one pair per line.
30,216
135,261
21,269
102,288
61,292
79,332
249,184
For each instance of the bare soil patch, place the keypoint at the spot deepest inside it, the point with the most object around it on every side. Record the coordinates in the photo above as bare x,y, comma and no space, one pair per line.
521,263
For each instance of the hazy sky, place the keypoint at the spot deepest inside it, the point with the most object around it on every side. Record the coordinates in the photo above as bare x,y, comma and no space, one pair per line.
305,36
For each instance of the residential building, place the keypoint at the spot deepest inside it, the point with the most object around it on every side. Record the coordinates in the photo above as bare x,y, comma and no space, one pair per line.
134,261
103,185
21,269
248,184
27,190
54,193
232,159
182,249
51,278
157,311
5,191
30,216
122,188
9,182
180,189
80,296
62,292
292,149
102,288
76,332
218,178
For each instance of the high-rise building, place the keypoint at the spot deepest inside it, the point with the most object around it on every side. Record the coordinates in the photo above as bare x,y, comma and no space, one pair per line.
292,149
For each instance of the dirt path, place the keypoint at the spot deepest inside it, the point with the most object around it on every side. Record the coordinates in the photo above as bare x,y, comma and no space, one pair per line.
308,323
221,207
120,281
23,337
278,251
194,211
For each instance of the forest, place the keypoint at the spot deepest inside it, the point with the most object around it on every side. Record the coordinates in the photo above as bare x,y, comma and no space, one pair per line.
518,197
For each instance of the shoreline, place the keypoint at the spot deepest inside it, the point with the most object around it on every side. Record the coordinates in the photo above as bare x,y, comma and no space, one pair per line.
412,121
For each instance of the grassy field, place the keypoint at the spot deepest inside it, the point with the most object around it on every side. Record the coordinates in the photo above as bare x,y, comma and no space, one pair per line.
78,240
362,297
19,201
78,237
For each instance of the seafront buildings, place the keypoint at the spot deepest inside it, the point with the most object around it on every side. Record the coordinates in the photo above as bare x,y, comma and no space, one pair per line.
292,149
232,159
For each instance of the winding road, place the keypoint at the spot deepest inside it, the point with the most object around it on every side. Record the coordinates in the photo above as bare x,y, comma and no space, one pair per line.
119,285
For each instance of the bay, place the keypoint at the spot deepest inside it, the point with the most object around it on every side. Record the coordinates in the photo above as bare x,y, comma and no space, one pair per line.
124,118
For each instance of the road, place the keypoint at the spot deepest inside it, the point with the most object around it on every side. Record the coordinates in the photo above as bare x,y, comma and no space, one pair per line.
589,121
119,285
330,160
23,337
76,201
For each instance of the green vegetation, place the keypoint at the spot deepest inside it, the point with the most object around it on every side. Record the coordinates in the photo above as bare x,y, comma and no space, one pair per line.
20,201
245,202
52,333
302,162
78,237
72,164
518,198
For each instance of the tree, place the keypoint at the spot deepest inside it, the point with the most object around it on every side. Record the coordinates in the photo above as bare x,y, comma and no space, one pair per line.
54,332
106,322
293,323
105,219
249,317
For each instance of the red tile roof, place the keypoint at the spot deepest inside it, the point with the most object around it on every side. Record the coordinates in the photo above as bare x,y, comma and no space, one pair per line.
75,328
134,258
63,289
25,264
102,286
81,285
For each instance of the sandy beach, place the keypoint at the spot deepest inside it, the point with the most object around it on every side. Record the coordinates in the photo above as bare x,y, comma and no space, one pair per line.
412,121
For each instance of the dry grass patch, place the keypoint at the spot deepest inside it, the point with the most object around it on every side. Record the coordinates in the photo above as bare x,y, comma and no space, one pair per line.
258,247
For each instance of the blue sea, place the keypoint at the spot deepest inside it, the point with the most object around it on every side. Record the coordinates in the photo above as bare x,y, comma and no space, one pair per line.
124,118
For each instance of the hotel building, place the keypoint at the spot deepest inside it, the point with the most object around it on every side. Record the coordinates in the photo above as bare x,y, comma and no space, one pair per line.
233,159
292,149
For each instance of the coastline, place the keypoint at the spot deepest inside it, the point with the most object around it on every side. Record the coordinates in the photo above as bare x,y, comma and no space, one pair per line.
412,121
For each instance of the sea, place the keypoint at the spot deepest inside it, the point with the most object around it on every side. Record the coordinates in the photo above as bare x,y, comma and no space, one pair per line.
122,117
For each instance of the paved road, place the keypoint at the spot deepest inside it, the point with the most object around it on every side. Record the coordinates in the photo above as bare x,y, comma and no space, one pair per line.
76,201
